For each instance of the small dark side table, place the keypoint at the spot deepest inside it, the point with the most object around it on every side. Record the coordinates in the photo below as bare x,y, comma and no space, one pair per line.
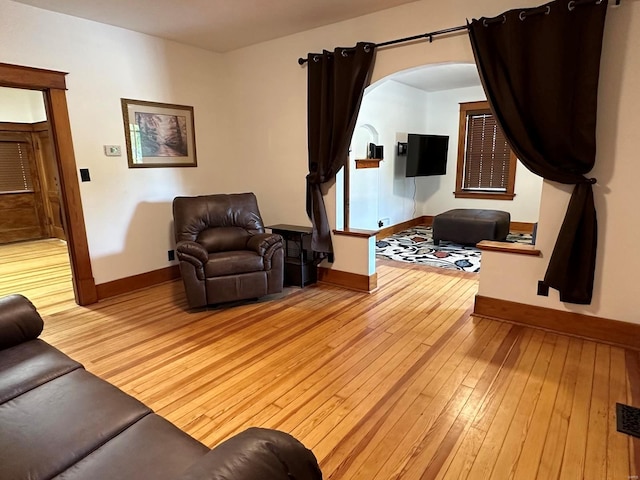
299,267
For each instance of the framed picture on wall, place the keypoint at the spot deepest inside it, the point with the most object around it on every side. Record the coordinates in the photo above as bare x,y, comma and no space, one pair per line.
159,134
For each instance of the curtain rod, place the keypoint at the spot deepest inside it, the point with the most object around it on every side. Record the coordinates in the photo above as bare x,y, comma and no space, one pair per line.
430,35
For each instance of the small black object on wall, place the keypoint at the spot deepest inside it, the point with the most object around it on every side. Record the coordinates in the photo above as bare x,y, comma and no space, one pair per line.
375,151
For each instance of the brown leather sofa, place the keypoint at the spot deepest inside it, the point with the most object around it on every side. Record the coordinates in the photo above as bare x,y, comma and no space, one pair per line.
59,421
224,252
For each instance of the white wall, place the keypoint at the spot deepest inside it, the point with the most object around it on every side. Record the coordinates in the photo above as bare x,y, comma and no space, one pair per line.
393,109
127,211
435,194
21,106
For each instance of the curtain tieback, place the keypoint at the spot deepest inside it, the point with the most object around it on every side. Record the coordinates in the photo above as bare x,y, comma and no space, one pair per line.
590,181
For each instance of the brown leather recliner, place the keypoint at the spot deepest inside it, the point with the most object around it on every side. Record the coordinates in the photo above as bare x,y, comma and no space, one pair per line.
224,252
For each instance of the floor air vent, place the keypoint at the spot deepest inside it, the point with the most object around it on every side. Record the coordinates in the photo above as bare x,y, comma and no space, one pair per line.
628,419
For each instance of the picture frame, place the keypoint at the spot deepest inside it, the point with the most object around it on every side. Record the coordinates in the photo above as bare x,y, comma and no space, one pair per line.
159,134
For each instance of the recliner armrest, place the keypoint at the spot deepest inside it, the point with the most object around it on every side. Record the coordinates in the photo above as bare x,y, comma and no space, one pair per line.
192,252
261,242
257,454
19,321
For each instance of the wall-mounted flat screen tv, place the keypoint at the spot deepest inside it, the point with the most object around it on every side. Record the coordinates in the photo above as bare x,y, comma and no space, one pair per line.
427,155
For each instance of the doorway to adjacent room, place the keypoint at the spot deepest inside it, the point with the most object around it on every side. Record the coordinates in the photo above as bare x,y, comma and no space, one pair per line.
52,87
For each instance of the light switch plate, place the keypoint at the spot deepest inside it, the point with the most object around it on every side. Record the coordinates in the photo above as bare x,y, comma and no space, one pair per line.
112,150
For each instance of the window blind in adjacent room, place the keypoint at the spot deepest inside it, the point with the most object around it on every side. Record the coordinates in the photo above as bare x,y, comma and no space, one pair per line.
15,174
487,159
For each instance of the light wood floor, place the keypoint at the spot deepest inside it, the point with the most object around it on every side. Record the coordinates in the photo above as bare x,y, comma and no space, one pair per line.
400,384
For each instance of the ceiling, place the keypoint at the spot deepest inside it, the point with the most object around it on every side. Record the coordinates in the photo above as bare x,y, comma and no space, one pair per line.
217,25
435,78
225,25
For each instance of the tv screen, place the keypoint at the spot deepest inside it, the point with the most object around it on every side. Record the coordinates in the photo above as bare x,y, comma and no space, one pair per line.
427,155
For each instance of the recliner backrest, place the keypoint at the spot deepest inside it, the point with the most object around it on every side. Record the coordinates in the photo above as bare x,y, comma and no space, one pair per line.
201,218
222,239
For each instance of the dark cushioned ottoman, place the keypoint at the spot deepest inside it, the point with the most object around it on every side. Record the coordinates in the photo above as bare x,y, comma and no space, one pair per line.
470,226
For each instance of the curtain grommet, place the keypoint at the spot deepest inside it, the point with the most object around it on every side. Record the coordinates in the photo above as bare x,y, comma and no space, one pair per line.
522,15
344,52
548,10
571,5
367,48
486,22
316,59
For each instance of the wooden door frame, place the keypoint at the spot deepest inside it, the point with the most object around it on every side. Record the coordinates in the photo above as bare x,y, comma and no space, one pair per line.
45,156
53,86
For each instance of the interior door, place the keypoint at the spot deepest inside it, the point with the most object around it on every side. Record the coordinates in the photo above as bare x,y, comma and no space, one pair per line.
50,180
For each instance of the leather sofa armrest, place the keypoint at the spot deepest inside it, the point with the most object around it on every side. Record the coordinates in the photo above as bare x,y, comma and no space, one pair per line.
262,242
192,252
19,321
257,454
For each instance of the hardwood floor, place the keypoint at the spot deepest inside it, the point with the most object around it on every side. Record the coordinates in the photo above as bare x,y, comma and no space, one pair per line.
39,270
400,384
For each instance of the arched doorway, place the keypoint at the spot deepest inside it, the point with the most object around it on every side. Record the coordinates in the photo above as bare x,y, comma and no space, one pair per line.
53,86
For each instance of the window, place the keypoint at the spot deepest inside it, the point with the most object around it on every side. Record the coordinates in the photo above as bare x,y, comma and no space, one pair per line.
486,163
15,171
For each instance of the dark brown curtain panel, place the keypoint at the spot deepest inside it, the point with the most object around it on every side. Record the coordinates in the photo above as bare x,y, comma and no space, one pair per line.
336,83
539,68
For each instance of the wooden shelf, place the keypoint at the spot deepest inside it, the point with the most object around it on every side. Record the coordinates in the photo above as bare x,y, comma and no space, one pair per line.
356,232
519,248
368,162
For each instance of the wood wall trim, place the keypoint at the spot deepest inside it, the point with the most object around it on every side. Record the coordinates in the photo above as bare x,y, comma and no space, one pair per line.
614,332
58,115
484,195
136,282
522,227
507,247
40,126
31,78
16,127
352,281
368,163
426,220
24,127
355,232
